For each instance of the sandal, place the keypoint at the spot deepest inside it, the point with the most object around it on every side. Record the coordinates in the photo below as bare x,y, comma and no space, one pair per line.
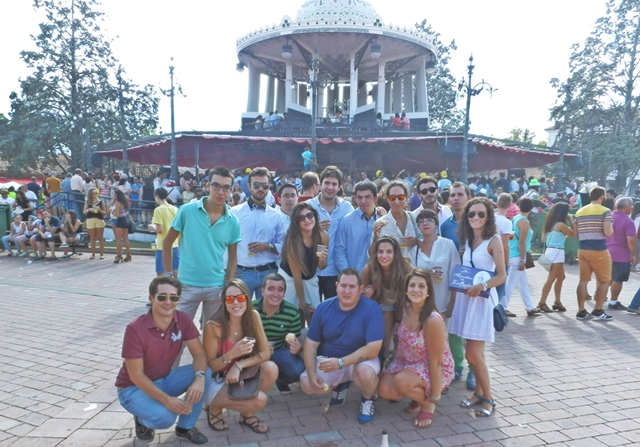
544,308
508,313
423,416
483,412
255,425
92,257
413,407
466,403
559,307
216,419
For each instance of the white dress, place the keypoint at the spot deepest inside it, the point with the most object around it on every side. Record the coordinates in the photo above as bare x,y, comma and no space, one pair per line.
472,318
443,254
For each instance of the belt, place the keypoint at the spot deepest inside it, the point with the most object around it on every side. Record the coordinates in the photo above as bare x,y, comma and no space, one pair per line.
260,268
557,248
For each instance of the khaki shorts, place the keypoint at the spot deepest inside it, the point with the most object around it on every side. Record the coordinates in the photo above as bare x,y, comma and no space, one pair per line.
334,378
94,223
595,261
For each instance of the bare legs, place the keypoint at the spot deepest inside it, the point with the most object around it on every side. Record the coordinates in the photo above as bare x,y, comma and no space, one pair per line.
555,278
475,357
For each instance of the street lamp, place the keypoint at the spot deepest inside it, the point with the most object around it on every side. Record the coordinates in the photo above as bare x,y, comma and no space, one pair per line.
469,91
564,136
315,80
174,154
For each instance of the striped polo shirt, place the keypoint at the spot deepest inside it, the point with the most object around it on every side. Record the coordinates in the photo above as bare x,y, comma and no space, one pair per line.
590,220
285,320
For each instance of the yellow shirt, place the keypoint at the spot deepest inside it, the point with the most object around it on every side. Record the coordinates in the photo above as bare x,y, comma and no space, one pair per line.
54,184
164,215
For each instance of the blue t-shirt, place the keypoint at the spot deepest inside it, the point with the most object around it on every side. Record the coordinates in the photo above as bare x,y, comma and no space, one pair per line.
342,333
449,230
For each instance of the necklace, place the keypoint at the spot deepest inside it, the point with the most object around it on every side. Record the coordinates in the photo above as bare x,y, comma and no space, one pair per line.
235,333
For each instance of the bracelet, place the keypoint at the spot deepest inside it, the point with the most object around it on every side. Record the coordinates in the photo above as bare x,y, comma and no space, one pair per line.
238,366
484,286
435,399
522,261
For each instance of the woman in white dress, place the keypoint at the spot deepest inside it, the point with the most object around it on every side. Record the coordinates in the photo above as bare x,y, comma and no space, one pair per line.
472,317
399,223
438,256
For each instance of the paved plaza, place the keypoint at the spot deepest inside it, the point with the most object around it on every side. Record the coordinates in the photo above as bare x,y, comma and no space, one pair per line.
557,381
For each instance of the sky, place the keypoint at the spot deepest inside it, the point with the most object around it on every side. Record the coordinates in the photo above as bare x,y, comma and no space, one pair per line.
517,45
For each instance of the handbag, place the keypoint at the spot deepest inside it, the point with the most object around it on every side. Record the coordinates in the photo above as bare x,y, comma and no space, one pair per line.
545,262
528,263
132,226
248,384
500,319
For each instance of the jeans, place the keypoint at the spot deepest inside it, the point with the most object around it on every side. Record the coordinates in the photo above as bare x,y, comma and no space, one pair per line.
253,280
502,287
153,414
7,244
517,278
289,366
327,286
635,302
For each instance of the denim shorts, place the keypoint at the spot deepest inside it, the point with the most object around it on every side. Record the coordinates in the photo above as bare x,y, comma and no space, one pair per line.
175,260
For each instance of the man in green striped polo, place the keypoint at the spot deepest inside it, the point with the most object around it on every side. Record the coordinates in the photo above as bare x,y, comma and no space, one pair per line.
279,319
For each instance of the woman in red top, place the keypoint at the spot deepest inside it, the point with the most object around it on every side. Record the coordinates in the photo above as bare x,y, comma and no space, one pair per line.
396,122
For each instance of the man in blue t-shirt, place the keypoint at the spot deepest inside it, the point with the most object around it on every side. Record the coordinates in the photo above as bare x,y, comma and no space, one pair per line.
345,337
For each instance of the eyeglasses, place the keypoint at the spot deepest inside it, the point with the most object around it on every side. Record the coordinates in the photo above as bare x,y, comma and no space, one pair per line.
263,185
218,187
239,298
480,214
400,197
309,216
431,189
425,221
163,297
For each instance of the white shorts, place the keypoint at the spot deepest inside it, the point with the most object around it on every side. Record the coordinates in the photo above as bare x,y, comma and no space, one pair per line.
555,255
345,374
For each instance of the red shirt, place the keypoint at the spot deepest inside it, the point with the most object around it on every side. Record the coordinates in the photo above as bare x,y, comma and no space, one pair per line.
158,349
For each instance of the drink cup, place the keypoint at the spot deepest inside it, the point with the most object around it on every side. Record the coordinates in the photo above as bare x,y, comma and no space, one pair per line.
153,246
320,249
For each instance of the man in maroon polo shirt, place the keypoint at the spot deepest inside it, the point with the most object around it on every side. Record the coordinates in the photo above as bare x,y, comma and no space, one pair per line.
147,387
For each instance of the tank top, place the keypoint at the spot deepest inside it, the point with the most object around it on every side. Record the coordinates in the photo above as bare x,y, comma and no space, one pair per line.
96,214
555,239
514,244
309,259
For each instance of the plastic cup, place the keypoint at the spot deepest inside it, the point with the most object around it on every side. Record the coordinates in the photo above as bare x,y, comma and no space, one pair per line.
320,249
153,246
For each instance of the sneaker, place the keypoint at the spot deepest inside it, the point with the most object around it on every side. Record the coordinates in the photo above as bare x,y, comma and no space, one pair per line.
64,245
583,315
471,380
617,306
143,433
339,394
283,388
23,254
600,315
366,411
457,374
633,311
192,435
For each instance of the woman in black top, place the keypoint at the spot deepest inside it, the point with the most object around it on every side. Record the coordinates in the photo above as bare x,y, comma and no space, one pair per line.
301,257
25,204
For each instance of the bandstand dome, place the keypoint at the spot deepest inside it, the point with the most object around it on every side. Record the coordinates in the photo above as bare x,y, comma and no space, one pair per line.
336,11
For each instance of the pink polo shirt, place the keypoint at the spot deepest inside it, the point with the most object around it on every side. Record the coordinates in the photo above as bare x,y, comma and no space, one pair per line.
158,349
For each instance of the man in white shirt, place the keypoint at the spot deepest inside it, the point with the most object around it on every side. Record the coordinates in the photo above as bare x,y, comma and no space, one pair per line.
262,230
504,227
288,194
77,198
428,191
513,184
4,197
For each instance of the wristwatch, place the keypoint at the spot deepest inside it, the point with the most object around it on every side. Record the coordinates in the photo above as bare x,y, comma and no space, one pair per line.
225,361
340,363
272,247
200,374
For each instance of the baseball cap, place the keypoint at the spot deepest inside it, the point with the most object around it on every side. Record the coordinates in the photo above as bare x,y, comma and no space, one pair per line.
171,183
534,182
247,171
482,191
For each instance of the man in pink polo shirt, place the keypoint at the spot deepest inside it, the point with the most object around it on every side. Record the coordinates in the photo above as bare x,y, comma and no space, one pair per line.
622,248
147,387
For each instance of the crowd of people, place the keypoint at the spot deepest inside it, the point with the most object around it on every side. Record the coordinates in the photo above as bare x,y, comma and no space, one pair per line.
317,291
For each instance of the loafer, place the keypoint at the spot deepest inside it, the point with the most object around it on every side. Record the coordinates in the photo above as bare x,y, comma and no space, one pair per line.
193,435
143,433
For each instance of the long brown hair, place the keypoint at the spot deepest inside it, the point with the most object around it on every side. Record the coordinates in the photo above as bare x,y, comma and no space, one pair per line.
293,248
557,213
430,303
223,319
397,272
465,232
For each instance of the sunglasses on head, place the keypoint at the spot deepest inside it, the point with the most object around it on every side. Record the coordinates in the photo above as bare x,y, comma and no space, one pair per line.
430,189
257,185
400,197
309,216
239,298
174,297
480,214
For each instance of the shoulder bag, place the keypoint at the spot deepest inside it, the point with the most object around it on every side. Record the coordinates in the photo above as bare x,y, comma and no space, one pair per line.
500,319
248,384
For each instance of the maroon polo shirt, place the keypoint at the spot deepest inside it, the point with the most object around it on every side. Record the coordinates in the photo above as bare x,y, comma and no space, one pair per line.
158,349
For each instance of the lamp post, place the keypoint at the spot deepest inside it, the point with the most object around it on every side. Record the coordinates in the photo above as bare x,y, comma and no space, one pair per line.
563,141
469,91
173,160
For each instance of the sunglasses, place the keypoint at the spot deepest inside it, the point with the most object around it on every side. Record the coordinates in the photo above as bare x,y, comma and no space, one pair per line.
480,214
431,189
239,298
163,297
257,185
309,216
400,197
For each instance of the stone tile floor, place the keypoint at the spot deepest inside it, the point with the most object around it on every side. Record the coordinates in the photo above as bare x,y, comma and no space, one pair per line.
557,381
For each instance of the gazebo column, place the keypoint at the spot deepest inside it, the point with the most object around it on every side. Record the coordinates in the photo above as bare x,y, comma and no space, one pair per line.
421,87
353,88
271,82
381,90
302,95
362,95
408,93
253,98
320,105
288,92
280,97
397,96
387,98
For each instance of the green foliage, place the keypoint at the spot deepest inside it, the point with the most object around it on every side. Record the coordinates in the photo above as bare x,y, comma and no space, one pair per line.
444,114
69,105
526,136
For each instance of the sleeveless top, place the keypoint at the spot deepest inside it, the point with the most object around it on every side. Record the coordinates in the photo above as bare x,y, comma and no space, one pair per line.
95,214
309,259
514,244
555,239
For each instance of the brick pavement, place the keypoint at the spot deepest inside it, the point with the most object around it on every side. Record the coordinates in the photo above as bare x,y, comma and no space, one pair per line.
557,381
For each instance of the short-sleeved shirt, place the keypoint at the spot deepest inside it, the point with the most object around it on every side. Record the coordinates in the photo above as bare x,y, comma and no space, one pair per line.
276,327
202,245
623,227
590,220
503,225
449,230
164,215
53,184
342,333
158,349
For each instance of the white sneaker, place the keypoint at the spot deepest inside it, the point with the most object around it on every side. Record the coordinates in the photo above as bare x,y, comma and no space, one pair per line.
64,245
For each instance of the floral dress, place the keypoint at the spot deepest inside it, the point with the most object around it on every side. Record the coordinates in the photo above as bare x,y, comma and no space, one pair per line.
412,354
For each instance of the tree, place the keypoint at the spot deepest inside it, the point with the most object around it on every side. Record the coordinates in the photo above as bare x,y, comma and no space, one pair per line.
69,105
600,98
442,92
517,134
